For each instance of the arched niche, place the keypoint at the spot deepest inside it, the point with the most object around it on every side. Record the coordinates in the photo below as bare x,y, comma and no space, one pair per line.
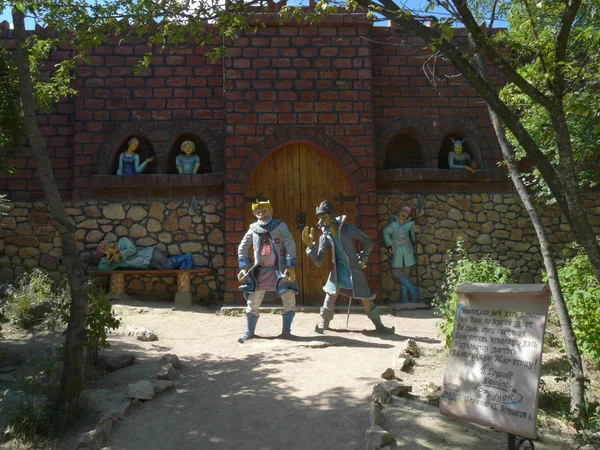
144,150
405,150
470,146
201,151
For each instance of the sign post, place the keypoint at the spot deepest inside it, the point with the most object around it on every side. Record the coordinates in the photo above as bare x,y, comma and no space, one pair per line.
493,373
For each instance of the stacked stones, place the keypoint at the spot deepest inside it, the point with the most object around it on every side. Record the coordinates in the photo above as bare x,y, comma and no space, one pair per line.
30,240
493,225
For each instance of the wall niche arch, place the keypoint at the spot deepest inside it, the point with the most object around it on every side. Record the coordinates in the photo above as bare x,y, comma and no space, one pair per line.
145,150
405,150
470,146
201,151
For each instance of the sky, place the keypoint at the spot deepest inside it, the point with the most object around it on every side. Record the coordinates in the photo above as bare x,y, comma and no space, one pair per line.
418,5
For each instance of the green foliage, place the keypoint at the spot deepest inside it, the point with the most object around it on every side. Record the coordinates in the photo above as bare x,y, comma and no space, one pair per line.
37,299
593,415
101,319
33,298
35,419
581,292
460,268
38,417
533,35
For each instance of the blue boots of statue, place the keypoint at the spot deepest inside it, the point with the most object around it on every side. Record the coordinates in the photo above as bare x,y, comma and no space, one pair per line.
286,331
251,320
183,261
407,288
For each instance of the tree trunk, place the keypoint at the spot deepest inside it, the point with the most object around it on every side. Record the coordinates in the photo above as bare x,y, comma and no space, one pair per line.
576,375
72,381
584,234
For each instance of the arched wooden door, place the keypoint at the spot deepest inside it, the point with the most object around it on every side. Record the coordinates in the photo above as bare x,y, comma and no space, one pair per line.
296,178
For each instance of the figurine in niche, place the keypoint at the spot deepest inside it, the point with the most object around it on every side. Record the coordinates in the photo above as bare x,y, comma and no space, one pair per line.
457,159
274,270
399,236
346,276
125,255
129,160
188,161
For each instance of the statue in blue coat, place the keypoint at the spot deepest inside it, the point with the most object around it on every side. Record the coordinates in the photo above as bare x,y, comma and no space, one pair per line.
399,236
347,276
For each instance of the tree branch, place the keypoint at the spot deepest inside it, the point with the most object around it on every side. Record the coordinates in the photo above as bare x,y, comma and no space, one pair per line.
562,39
495,57
464,64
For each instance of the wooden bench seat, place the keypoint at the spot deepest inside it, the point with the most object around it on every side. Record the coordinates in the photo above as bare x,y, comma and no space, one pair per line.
183,296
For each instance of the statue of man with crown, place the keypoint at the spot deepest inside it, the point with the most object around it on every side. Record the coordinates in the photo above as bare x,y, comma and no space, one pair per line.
273,271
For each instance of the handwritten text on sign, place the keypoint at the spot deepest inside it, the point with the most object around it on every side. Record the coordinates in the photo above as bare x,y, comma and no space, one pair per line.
492,376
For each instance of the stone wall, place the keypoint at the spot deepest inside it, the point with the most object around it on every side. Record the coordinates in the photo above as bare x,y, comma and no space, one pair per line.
29,239
494,225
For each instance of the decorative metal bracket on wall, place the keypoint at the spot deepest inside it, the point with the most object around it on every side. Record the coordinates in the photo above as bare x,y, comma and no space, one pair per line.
194,205
300,220
341,198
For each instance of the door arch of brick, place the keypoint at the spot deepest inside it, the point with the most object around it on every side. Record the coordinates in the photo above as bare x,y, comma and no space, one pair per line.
358,169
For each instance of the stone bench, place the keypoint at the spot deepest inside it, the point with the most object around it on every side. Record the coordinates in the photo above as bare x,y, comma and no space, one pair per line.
183,296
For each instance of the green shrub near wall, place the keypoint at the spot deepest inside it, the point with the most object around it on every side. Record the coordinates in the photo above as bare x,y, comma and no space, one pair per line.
582,295
460,268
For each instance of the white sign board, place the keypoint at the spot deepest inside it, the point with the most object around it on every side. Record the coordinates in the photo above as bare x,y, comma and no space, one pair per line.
493,373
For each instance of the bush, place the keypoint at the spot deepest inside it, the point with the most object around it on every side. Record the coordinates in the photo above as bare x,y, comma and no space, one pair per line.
101,319
34,419
33,298
582,292
461,269
37,417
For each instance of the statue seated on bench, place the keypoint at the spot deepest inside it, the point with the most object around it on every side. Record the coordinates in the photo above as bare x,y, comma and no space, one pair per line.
125,255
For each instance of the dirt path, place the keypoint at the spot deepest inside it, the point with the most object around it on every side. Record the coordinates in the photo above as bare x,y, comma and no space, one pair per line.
274,394
265,394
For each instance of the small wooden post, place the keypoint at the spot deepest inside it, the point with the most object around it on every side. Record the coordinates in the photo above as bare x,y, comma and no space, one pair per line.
183,297
117,284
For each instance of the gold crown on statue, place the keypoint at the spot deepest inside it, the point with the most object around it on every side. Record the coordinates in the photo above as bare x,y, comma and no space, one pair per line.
261,204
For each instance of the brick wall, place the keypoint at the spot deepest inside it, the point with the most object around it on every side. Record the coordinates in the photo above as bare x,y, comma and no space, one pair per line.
430,105
343,86
58,129
299,83
180,94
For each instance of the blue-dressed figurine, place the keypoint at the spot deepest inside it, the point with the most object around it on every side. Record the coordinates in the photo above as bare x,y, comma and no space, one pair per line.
129,161
188,162
457,159
399,236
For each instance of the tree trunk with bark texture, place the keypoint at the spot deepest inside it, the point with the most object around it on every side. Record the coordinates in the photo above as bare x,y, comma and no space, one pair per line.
72,381
576,375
